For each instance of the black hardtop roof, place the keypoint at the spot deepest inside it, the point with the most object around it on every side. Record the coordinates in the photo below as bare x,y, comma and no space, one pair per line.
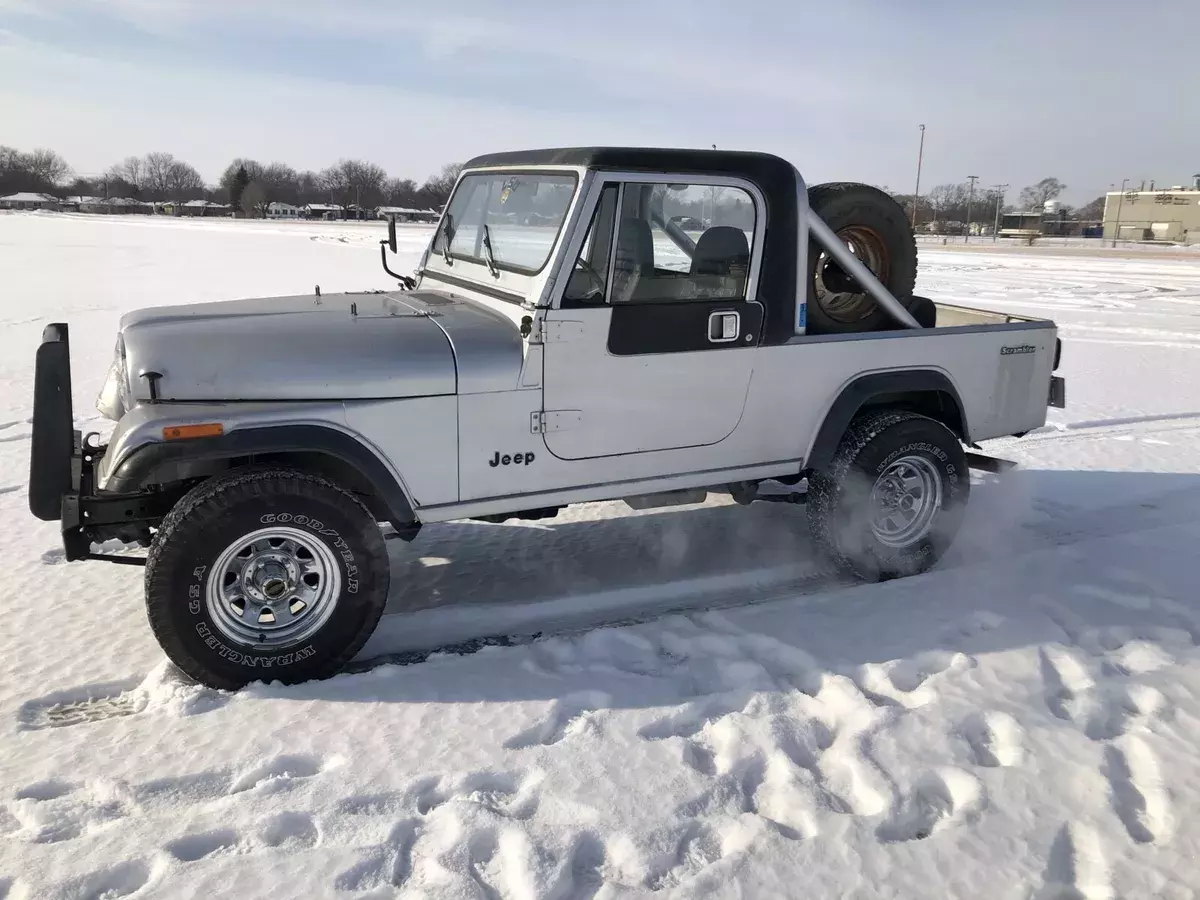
759,167
775,177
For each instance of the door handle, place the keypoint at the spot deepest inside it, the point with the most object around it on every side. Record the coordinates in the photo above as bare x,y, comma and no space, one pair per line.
724,327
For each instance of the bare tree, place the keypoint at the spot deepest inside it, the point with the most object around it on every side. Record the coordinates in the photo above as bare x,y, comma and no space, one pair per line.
278,182
156,168
168,178
47,168
436,189
130,171
184,182
401,192
12,170
355,181
308,187
1035,196
948,201
1093,211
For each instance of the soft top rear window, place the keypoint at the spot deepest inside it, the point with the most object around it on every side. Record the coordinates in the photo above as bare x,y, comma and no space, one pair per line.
523,213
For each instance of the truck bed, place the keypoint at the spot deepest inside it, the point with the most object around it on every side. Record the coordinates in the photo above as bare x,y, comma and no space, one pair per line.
953,316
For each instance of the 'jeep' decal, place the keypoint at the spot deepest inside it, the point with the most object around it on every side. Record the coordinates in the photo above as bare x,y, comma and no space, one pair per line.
517,459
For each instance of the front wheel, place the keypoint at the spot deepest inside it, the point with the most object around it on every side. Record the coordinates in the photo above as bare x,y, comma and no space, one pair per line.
892,501
265,574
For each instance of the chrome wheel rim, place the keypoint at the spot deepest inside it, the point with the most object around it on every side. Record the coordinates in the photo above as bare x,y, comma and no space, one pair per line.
905,500
273,587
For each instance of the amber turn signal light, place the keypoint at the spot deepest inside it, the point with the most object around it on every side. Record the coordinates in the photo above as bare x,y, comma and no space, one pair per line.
183,432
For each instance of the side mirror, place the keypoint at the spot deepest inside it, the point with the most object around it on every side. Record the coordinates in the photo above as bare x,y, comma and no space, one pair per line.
392,233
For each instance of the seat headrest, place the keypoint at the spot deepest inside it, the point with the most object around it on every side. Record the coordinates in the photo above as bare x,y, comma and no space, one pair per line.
719,250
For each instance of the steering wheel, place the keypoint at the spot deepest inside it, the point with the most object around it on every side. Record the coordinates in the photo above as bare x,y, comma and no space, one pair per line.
597,286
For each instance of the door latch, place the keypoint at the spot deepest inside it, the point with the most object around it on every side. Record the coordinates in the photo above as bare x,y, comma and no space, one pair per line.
724,326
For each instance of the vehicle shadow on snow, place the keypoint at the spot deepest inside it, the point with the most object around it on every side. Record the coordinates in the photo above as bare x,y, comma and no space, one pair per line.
992,592
529,562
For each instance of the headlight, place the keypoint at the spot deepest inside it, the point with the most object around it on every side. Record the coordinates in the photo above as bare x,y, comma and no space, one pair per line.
115,396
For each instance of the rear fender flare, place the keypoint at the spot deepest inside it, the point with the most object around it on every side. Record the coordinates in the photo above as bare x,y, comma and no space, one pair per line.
927,390
150,463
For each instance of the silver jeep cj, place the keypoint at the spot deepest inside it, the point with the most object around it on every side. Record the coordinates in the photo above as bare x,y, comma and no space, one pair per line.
585,324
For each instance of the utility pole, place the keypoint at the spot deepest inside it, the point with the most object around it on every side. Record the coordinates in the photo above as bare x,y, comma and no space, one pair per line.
917,189
1000,189
1120,201
970,196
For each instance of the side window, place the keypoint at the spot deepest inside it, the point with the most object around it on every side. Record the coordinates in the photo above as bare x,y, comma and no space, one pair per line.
680,242
589,276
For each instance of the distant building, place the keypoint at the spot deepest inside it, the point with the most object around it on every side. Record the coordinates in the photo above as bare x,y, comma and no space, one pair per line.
1163,215
118,206
276,210
407,214
201,208
77,202
29,200
322,211
1051,220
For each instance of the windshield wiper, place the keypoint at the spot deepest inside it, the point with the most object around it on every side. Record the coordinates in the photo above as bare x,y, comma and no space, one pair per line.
488,254
447,229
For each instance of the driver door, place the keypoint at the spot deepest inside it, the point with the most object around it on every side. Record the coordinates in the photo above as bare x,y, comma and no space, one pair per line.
652,345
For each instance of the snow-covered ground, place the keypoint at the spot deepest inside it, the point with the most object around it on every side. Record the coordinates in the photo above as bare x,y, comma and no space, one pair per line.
1021,723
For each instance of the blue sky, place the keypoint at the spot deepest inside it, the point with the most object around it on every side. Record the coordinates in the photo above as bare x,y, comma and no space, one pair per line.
1089,91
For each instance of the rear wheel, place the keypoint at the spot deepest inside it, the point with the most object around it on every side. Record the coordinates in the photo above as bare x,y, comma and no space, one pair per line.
892,501
265,574
876,229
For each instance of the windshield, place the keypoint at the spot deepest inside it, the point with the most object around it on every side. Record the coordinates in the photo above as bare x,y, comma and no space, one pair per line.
521,213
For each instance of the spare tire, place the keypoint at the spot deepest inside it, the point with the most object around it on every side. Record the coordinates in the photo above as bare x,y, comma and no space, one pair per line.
877,231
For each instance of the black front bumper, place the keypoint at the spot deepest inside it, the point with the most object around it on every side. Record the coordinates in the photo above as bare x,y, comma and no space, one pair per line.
62,465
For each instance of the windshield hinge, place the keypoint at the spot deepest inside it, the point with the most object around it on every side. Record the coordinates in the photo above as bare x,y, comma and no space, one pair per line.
553,420
557,330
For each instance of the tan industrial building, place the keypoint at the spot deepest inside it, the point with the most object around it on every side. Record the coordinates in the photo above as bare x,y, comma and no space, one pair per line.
1166,214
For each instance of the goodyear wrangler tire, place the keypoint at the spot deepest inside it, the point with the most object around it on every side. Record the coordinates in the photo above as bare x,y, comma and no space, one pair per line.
877,231
892,500
265,574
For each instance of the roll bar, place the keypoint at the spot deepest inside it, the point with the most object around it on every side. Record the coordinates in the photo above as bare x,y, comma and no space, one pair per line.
834,246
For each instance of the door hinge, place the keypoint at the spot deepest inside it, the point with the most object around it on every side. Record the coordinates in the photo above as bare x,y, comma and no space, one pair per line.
557,330
553,420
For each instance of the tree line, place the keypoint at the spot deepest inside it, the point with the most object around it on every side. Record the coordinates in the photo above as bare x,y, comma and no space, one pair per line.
959,203
251,186
247,184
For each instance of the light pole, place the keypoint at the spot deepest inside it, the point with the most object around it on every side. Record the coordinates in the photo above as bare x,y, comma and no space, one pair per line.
1000,189
970,196
917,189
1120,201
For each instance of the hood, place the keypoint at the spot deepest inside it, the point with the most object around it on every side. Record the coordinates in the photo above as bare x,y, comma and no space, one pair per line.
334,347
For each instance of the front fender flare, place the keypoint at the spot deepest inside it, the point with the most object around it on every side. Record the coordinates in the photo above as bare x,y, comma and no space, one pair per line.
147,464
880,387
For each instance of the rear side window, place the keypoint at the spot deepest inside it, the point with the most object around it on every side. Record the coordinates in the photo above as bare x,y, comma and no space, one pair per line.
680,242
523,213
